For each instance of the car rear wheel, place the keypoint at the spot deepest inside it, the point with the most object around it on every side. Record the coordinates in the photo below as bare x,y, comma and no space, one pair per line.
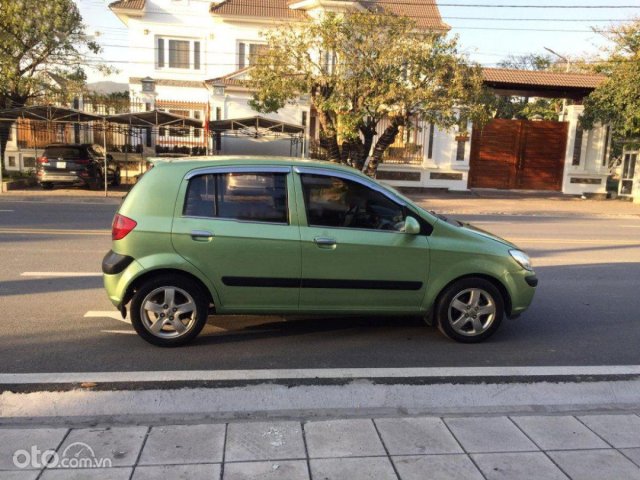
169,311
46,186
470,310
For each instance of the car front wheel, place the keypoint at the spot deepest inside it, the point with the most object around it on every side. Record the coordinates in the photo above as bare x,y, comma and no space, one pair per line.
169,311
470,310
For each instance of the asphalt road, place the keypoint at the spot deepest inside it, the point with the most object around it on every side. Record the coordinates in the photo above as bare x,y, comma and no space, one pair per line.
586,312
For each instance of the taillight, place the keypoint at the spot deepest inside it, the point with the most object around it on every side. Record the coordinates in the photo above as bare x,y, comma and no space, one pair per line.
43,159
121,227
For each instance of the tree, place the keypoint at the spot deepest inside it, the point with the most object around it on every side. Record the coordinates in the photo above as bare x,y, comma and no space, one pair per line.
39,40
358,68
617,100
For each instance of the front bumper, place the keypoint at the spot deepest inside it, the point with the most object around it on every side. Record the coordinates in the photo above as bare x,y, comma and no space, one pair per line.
522,288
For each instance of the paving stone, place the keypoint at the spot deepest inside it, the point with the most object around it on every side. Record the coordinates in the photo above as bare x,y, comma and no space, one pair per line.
621,431
264,441
87,474
559,433
632,454
14,439
408,436
289,470
19,474
596,465
178,472
436,467
179,444
366,468
120,445
342,438
517,466
489,434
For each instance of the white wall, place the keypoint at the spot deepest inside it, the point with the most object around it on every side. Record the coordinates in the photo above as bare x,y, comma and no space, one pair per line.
590,168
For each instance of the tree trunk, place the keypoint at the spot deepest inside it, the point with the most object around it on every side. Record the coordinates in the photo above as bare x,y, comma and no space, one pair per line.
368,133
328,136
387,138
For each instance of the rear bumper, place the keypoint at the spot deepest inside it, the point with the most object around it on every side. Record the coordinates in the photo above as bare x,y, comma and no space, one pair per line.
51,177
117,284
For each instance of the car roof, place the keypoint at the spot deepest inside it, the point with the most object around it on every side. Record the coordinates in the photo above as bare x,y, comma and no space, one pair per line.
189,163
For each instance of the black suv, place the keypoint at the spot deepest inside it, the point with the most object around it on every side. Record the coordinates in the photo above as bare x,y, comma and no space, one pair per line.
75,164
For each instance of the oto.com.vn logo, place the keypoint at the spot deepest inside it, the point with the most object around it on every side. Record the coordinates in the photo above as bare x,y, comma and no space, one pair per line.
76,455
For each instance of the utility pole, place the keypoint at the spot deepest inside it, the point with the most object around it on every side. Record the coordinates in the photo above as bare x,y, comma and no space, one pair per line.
568,66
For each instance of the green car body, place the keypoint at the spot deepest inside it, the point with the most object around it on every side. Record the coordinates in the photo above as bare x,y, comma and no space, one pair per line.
291,267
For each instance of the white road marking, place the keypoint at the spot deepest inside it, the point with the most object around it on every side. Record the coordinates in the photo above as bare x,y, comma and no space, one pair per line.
113,314
315,373
123,332
60,274
6,211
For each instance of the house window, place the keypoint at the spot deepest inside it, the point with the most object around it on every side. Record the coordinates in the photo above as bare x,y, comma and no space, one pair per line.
460,151
248,53
432,129
178,53
12,161
577,147
304,119
218,113
606,146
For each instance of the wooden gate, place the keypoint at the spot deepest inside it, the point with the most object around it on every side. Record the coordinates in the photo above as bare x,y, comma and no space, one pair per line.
518,154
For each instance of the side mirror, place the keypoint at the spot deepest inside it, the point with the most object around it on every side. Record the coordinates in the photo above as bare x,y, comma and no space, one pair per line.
411,226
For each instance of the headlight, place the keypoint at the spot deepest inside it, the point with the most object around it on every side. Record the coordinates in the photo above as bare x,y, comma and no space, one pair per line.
522,258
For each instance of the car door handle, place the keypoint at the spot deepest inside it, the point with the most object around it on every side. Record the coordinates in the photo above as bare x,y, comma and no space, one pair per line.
325,242
201,235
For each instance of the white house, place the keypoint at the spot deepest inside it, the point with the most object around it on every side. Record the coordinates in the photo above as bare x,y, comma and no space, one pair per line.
189,57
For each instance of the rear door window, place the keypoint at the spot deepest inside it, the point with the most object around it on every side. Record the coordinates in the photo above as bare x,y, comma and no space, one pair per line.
254,197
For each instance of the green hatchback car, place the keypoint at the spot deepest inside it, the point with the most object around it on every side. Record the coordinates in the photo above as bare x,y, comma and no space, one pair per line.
247,235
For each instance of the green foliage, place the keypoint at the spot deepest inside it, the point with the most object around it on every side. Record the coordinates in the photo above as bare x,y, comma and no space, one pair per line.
617,100
521,107
359,68
38,36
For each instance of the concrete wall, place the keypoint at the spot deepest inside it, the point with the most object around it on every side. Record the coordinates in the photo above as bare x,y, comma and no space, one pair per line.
590,175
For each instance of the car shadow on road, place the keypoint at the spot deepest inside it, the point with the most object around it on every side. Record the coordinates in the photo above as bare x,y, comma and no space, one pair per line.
28,286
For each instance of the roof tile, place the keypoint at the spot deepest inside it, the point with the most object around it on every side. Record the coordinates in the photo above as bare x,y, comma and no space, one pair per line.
542,79
128,4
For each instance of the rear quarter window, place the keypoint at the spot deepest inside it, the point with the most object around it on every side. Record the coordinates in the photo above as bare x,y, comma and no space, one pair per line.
255,197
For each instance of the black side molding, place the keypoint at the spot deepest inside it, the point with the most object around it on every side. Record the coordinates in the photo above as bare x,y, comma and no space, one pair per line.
114,263
531,280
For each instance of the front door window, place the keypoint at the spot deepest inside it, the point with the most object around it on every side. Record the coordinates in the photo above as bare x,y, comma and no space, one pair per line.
340,203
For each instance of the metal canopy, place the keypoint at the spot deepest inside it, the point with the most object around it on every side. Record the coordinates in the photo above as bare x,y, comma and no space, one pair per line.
48,113
154,118
256,127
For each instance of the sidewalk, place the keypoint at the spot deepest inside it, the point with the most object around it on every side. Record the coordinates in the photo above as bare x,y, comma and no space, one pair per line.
476,202
457,447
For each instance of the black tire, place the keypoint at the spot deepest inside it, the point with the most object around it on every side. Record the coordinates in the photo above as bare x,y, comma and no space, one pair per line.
192,288
46,186
490,297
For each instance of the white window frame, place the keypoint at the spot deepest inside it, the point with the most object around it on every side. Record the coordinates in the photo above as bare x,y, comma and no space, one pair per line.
166,39
247,49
